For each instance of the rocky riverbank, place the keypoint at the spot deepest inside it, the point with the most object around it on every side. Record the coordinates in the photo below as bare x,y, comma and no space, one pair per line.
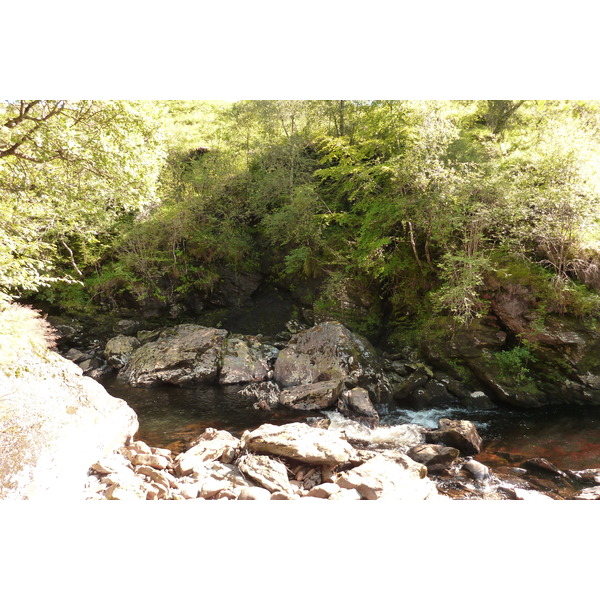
63,435
336,459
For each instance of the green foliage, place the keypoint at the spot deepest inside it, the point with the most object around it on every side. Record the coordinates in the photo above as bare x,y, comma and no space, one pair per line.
68,171
514,363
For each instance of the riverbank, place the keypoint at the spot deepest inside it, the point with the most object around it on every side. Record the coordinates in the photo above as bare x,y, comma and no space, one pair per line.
348,408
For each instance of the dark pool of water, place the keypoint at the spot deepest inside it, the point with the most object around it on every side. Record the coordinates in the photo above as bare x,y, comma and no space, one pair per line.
170,417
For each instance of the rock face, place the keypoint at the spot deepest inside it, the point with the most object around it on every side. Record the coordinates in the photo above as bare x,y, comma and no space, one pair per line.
327,352
185,354
54,425
300,442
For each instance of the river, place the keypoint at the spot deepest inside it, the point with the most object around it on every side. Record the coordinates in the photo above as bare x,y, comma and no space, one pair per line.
569,437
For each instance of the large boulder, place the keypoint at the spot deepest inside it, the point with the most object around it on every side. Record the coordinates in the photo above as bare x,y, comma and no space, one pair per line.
300,442
330,351
185,354
460,434
246,360
383,479
55,424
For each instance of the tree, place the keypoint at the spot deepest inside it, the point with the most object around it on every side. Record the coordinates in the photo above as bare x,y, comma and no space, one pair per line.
68,171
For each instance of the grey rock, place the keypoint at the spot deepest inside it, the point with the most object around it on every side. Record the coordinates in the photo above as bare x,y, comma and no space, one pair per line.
299,441
312,396
185,354
459,434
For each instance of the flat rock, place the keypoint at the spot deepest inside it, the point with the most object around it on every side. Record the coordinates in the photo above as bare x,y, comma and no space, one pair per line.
267,472
382,478
213,444
299,441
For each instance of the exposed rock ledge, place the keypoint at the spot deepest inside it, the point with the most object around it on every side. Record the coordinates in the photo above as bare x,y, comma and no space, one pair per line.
54,424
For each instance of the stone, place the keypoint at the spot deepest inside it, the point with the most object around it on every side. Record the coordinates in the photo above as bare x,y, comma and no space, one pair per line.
413,382
140,447
344,494
300,442
267,472
116,492
213,444
591,493
119,349
254,493
459,434
541,464
434,456
151,460
355,403
283,496
382,478
329,351
182,355
155,475
211,487
110,464
324,490
54,425
477,469
266,394
246,360
312,396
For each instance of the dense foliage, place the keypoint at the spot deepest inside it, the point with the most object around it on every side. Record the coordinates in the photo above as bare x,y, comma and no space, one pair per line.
387,208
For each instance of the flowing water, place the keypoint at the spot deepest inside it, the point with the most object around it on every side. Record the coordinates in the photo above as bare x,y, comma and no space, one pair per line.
568,437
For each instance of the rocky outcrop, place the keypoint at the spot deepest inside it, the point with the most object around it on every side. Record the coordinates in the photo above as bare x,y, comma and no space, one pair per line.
54,425
182,355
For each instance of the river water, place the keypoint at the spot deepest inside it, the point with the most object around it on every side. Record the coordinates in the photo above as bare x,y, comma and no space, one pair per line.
170,417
